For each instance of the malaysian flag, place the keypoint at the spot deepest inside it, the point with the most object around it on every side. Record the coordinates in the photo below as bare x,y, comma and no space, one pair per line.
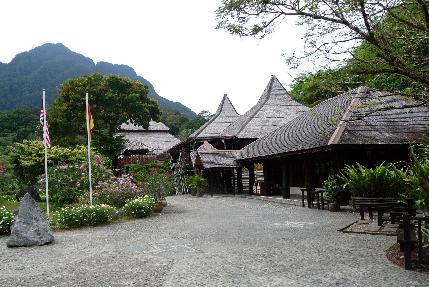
46,138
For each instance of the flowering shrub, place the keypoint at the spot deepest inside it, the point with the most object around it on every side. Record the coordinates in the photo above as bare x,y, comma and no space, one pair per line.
67,183
6,219
117,191
28,158
84,215
139,207
158,180
8,183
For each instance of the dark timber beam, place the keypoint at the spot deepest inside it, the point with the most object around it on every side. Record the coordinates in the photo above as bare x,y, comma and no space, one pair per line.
239,180
285,181
251,168
309,173
267,177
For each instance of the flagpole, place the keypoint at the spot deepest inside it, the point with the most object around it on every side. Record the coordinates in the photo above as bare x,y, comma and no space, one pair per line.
46,155
88,130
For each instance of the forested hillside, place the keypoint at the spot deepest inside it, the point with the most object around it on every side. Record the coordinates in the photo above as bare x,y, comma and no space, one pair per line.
48,66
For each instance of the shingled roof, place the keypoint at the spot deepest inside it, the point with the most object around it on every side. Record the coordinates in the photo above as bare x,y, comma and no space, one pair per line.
274,109
155,138
361,116
209,157
224,116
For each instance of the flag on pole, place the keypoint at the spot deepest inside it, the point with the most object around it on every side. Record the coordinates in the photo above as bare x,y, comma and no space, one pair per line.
44,123
46,144
89,127
89,120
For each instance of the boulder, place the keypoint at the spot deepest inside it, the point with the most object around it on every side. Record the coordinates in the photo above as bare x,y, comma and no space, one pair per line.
31,190
30,226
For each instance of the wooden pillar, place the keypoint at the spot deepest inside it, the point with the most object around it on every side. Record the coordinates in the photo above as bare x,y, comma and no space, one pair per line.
285,181
224,184
309,180
233,181
212,184
239,180
267,175
309,173
251,168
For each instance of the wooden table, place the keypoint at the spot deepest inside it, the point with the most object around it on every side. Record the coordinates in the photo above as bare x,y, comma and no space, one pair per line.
313,194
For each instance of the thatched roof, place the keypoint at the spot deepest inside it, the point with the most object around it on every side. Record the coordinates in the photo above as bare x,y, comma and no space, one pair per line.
155,139
219,159
206,156
359,117
224,116
274,109
153,126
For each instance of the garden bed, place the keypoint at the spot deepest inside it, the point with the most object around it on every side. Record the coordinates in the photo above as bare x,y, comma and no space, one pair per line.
394,254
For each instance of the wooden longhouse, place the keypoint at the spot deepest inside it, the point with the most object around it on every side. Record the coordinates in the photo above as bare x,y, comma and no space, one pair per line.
228,132
274,108
364,125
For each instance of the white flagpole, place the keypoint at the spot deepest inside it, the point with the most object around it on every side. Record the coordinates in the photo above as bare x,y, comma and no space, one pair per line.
88,129
46,155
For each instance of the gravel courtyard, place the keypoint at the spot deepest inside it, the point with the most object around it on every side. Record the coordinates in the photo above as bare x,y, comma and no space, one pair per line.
219,241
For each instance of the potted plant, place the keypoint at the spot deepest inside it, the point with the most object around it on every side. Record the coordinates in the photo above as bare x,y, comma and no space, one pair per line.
332,193
157,207
196,184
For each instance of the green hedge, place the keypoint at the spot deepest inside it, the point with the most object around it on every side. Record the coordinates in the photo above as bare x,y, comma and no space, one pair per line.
6,219
84,215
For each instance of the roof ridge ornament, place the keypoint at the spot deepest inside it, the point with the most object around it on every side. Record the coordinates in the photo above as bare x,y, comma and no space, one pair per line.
362,92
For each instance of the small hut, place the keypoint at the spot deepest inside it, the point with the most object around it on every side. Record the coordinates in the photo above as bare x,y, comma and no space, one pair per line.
143,143
219,167
211,132
364,125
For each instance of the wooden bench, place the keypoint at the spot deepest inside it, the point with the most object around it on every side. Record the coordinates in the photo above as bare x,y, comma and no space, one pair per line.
381,205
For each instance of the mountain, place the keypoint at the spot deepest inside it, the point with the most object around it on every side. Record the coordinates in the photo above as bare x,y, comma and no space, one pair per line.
48,66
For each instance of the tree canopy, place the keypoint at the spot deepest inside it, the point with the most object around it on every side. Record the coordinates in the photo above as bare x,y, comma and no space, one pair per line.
113,100
389,38
180,125
18,125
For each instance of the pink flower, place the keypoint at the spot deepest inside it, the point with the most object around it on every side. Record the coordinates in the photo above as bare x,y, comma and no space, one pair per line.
2,169
98,160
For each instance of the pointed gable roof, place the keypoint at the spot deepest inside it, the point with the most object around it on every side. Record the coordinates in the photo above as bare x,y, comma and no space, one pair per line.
274,108
224,116
361,116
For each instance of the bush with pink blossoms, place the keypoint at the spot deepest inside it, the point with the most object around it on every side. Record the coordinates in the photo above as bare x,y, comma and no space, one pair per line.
117,191
69,183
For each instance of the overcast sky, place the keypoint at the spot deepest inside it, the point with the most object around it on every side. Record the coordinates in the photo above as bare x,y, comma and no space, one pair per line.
173,44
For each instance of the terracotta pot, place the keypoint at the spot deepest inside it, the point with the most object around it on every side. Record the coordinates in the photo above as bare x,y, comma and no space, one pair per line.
334,206
157,208
163,202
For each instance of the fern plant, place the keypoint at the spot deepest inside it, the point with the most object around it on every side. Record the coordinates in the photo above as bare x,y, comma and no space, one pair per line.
382,181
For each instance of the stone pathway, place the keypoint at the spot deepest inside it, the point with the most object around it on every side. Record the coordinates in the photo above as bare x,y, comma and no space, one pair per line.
370,226
219,241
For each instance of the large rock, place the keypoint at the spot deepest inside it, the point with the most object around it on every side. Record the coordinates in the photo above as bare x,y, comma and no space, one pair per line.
31,225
